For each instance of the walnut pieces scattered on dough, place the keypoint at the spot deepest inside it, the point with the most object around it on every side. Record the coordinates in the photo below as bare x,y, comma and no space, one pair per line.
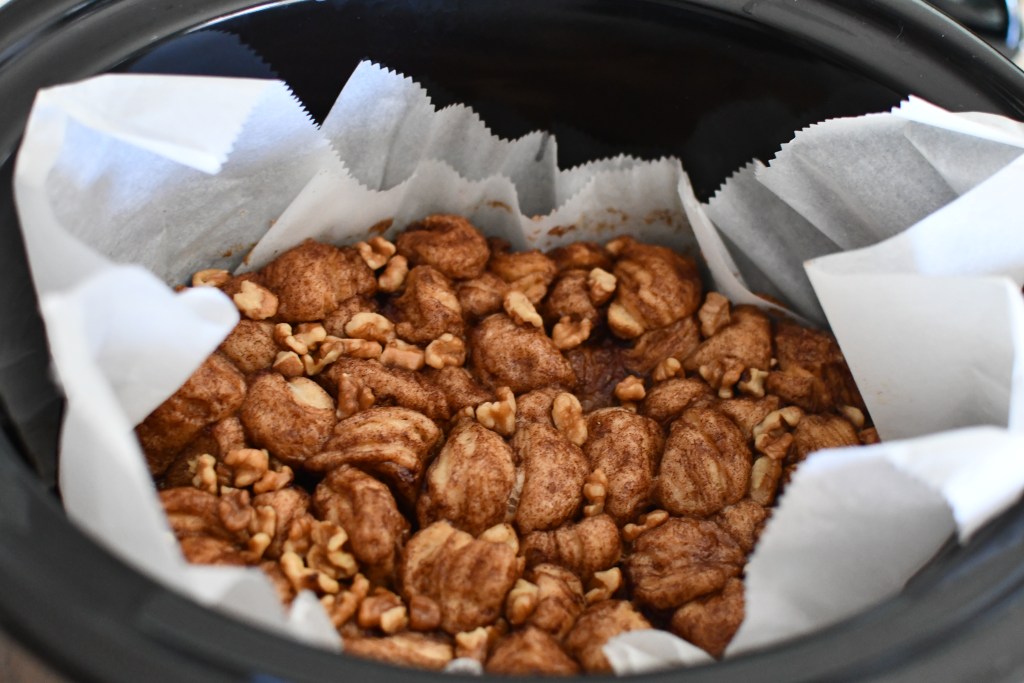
465,451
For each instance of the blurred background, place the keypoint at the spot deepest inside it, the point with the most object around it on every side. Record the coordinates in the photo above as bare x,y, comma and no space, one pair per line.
997,21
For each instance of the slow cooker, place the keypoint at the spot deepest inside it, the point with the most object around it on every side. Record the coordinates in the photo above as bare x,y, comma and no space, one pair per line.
714,82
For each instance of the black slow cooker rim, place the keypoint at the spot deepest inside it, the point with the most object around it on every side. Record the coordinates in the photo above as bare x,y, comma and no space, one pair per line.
90,615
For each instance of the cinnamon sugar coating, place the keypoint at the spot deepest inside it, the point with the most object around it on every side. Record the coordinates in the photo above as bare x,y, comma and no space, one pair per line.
627,447
313,279
213,392
518,357
465,451
448,243
470,481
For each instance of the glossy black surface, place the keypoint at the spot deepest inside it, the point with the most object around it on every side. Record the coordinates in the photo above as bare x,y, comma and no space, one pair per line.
716,82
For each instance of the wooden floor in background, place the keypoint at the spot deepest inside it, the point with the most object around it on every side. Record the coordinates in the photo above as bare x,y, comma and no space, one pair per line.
17,665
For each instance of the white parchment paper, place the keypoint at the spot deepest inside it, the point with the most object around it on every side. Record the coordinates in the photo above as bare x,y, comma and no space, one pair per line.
175,174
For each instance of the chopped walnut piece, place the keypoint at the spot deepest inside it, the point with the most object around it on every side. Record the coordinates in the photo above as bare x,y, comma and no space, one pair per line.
604,585
764,479
408,649
399,354
817,432
367,510
521,358
342,606
583,548
449,243
394,620
568,334
754,385
473,644
521,602
214,391
530,652
630,389
393,277
746,342
391,442
375,252
711,622
680,560
705,466
626,447
595,490
521,310
326,554
600,286
304,578
255,302
370,326
554,471
771,436
353,396
645,522
623,322
206,474
211,277
309,334
747,413
468,578
567,416
288,364
722,374
501,533
499,415
596,626
290,418
248,464
312,279
334,348
854,415
470,481
274,480
713,314
667,369
336,320
444,351
379,603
